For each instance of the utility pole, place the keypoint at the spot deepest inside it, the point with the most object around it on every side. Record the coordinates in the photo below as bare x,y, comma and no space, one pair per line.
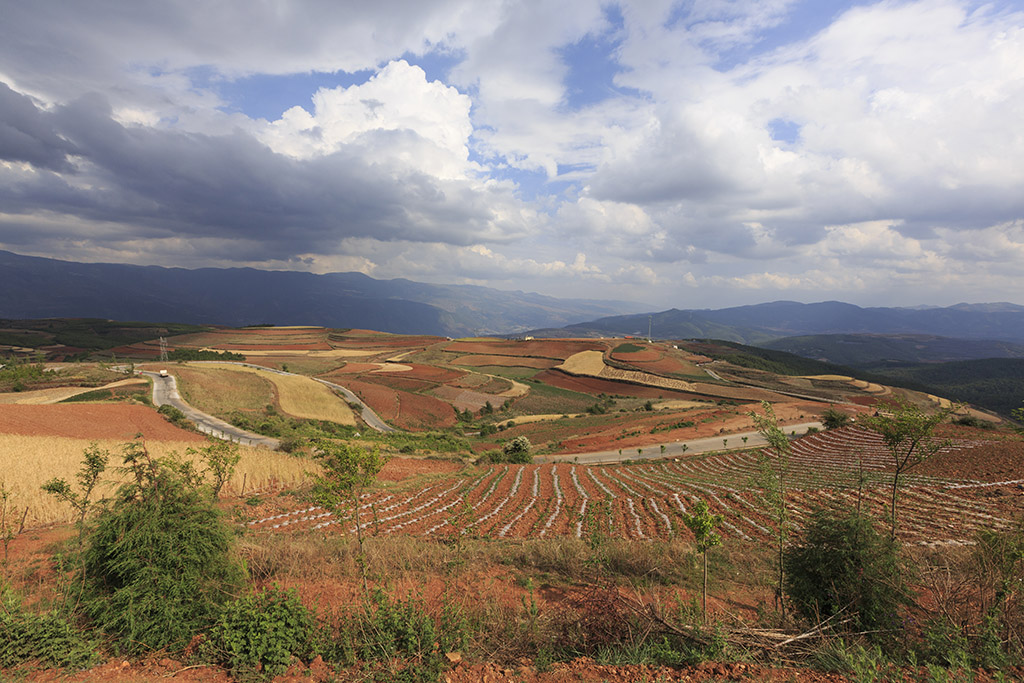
648,329
163,350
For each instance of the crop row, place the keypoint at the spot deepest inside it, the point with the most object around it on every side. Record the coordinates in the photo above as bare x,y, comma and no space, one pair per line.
642,501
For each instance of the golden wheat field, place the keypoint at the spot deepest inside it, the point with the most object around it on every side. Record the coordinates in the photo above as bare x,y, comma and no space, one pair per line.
299,396
27,462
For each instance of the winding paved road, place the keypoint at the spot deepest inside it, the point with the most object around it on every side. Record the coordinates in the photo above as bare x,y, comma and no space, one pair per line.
165,392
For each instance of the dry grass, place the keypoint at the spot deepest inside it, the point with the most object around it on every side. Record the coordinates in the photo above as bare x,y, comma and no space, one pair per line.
584,363
27,462
222,392
300,396
57,394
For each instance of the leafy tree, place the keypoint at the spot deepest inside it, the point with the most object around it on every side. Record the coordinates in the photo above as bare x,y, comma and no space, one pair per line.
94,463
833,418
156,567
907,432
518,450
702,523
348,470
772,476
841,565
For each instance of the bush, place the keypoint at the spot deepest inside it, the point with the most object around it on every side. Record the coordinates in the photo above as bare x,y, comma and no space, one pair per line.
518,450
841,564
834,418
48,638
156,568
174,416
262,632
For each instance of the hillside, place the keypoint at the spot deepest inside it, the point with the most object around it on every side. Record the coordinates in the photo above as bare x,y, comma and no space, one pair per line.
759,324
875,350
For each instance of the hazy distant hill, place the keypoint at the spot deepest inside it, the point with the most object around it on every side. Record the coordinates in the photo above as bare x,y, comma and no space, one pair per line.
758,324
36,287
872,350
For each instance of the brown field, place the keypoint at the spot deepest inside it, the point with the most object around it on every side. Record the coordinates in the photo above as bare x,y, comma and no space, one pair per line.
91,421
58,394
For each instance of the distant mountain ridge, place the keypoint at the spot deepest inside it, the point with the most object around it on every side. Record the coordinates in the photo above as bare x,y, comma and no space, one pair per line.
32,287
761,323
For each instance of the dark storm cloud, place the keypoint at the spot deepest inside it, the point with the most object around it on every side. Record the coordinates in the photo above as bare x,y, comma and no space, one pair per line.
156,182
27,133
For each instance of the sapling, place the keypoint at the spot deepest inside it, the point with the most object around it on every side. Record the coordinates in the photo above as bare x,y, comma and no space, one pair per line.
702,523
94,462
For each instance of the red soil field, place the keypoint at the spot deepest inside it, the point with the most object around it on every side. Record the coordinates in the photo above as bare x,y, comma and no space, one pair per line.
351,369
398,469
539,348
665,365
430,373
91,421
400,342
398,380
419,412
406,410
506,361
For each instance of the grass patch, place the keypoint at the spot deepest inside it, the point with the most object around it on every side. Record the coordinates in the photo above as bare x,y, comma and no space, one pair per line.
544,399
223,392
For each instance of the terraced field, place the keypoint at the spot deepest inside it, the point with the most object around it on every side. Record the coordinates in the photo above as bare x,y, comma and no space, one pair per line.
646,501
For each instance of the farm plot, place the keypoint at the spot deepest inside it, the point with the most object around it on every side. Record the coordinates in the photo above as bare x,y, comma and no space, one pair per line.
299,396
647,501
559,349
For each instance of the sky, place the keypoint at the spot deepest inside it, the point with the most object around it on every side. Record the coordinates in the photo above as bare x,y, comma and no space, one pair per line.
695,154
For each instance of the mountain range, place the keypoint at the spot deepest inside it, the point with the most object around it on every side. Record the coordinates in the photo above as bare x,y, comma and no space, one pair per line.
32,287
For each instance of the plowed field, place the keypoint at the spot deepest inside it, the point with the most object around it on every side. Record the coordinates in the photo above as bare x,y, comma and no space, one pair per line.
539,348
506,361
646,501
91,421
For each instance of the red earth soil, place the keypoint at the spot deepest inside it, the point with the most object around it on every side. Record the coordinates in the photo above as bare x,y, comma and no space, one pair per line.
398,469
540,348
662,366
350,369
133,351
242,346
410,411
91,421
398,380
596,385
430,373
993,461
465,399
385,342
506,361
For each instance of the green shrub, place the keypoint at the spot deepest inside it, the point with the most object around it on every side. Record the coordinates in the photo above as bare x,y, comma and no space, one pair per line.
841,564
174,416
48,638
155,567
834,418
517,450
261,633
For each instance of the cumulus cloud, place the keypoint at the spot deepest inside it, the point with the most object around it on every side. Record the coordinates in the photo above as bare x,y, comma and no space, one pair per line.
729,148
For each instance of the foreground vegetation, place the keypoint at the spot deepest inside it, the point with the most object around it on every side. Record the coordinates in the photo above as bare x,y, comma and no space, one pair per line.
210,597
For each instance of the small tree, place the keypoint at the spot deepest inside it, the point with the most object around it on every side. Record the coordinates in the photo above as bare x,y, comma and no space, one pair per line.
219,459
772,476
702,523
94,463
10,526
907,432
348,470
518,450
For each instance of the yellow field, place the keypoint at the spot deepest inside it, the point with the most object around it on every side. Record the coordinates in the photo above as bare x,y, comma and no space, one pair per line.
57,394
221,392
27,462
679,405
584,363
299,396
